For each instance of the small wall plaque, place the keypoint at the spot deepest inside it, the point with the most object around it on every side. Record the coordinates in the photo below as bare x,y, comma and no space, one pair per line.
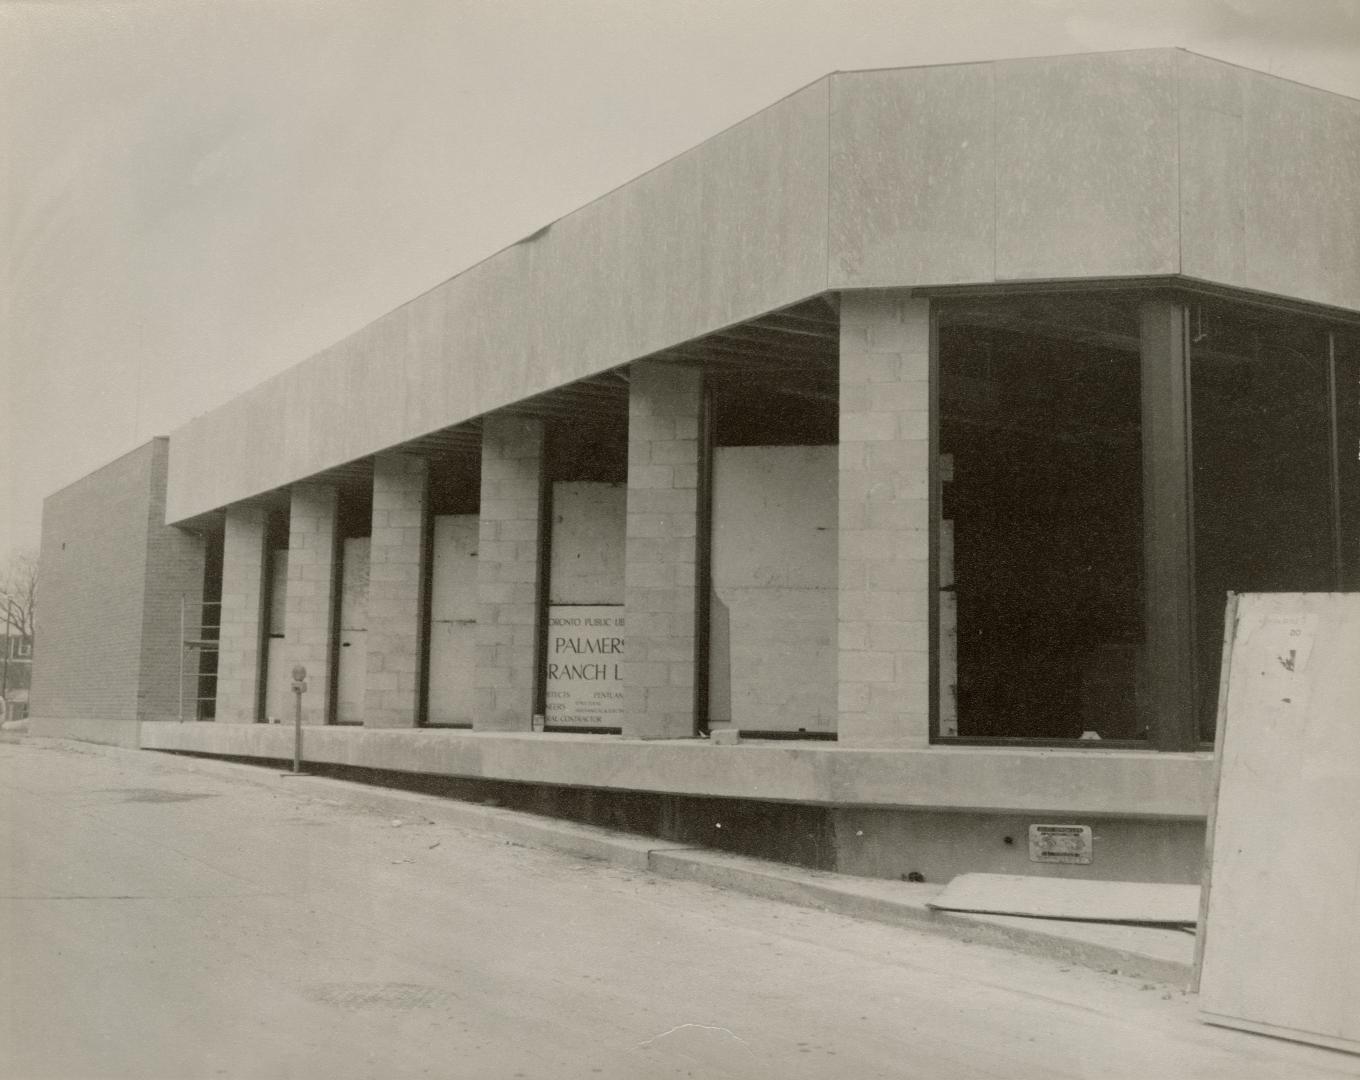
1060,844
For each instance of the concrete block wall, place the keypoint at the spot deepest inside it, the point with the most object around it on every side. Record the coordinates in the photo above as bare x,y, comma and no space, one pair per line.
240,659
310,608
508,572
92,577
174,585
883,610
395,590
111,573
660,554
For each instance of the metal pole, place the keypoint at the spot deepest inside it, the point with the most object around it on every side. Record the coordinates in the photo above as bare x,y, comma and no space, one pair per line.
181,658
1334,460
297,729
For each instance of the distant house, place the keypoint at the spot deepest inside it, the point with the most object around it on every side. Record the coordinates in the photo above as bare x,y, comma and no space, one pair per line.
16,674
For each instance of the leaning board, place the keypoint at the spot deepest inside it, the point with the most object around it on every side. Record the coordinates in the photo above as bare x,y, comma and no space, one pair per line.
1281,947
1071,898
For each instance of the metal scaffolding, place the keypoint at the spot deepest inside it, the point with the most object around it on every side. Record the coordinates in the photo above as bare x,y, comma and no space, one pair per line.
207,628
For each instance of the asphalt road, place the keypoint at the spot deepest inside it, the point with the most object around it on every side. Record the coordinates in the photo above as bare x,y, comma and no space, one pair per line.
166,917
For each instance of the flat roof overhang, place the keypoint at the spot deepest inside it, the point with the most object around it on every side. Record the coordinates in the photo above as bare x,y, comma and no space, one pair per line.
1134,166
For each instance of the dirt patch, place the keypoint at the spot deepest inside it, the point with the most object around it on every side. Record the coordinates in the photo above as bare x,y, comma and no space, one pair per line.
378,995
157,795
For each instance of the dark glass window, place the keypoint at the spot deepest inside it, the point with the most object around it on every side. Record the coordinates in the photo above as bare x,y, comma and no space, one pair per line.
1041,505
1041,618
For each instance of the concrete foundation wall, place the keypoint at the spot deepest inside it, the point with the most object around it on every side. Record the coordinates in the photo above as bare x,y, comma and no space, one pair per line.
939,845
1102,783
112,575
879,813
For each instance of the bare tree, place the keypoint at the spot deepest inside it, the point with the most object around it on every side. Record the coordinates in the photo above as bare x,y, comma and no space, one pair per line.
19,592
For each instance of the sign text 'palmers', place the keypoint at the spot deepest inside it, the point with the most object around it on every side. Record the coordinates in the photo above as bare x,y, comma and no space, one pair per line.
585,649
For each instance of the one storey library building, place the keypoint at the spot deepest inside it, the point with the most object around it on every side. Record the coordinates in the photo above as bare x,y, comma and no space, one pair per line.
861,487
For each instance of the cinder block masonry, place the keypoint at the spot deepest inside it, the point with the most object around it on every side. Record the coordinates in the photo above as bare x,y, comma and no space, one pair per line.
395,588
660,555
883,611
508,572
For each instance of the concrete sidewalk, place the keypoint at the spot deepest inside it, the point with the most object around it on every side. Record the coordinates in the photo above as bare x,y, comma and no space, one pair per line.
1159,955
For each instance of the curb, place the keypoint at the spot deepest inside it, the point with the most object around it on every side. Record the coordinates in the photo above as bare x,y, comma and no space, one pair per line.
893,903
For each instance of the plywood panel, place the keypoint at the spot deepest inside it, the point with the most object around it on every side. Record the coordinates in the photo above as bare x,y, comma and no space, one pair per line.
453,584
588,528
453,620
1282,940
1072,898
352,674
773,647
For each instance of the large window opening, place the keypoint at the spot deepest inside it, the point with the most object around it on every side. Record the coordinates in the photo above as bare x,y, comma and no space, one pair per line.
1273,424
1110,467
1039,544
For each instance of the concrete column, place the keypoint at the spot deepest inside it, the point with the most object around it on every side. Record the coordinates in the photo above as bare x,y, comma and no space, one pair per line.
310,608
240,658
395,588
507,572
660,557
884,657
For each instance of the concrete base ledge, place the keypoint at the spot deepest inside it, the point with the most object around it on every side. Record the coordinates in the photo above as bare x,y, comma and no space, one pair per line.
1116,783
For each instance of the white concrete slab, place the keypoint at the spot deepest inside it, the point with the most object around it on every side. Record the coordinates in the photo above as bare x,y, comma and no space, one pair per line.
1071,898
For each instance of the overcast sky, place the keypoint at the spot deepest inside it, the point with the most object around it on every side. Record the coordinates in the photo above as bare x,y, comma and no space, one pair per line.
195,195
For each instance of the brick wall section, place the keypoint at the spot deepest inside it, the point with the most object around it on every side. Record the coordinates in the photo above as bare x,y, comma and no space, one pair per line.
240,659
174,573
507,572
111,575
884,520
660,556
395,590
310,605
